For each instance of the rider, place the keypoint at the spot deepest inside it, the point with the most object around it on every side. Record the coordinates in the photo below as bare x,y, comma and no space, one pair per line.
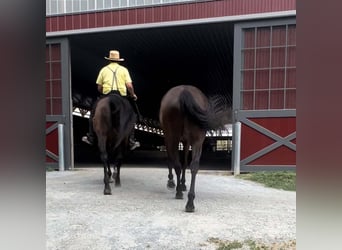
113,78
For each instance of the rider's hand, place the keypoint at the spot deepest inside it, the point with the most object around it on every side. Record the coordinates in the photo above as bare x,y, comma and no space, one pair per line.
134,96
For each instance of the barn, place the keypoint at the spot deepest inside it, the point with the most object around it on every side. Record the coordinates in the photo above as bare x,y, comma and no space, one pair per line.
245,49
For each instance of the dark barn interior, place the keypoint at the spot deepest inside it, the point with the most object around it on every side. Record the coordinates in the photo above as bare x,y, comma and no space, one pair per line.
158,58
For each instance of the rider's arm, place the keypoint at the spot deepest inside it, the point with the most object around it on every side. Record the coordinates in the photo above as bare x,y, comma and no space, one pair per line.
130,90
99,88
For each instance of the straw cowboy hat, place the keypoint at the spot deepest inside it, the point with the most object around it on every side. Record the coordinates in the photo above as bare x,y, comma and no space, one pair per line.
114,55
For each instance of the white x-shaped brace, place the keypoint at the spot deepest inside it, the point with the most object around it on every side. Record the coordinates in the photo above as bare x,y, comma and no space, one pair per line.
279,141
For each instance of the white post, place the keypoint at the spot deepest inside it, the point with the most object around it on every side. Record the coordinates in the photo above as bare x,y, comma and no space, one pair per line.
61,147
236,147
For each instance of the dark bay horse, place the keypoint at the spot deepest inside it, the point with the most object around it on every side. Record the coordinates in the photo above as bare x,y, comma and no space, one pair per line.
185,115
113,121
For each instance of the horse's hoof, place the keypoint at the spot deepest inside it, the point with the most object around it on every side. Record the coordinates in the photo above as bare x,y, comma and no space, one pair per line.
189,209
179,195
107,192
183,187
117,184
171,184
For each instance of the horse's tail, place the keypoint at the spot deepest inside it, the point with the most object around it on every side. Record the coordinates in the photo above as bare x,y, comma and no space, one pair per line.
193,111
122,117
214,117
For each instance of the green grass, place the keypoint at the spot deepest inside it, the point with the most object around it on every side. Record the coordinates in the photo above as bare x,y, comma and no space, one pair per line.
252,245
222,245
49,169
285,180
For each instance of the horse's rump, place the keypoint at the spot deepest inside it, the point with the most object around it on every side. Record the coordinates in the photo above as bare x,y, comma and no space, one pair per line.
188,102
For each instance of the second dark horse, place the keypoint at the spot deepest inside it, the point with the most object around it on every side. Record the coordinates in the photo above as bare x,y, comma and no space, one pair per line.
113,122
185,115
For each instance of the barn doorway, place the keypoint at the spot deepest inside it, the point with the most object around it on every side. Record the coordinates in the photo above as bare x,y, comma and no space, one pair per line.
158,58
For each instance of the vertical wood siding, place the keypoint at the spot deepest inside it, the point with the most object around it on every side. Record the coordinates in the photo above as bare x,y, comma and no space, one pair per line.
176,12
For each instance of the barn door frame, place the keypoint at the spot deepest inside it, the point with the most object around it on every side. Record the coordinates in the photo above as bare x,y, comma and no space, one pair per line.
248,117
65,117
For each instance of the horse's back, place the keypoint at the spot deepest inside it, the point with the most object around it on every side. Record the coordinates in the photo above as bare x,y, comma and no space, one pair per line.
114,117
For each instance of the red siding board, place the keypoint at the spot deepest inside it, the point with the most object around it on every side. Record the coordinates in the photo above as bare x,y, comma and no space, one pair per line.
47,89
166,14
291,56
57,106
48,106
56,70
47,71
54,24
291,35
140,16
49,160
132,16
277,78
61,23
92,20
124,17
174,12
56,88
68,22
107,19
51,141
99,19
277,99
290,102
77,21
84,21
247,100
55,52
248,80
261,99
280,156
157,15
252,141
48,24
282,126
149,15
47,53
261,79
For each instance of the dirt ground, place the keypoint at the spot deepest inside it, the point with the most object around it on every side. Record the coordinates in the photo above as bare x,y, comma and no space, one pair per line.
143,213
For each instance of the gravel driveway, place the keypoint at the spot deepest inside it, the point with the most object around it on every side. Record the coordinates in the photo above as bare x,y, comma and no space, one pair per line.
143,213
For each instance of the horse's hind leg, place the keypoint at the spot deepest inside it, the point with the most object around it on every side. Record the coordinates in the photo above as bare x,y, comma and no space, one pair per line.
110,174
194,165
184,165
173,162
117,174
170,160
106,165
170,183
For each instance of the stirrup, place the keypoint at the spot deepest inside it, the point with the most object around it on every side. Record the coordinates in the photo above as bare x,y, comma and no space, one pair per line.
86,140
134,146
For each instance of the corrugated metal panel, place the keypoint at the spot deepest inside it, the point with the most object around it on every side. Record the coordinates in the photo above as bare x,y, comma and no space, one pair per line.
174,12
